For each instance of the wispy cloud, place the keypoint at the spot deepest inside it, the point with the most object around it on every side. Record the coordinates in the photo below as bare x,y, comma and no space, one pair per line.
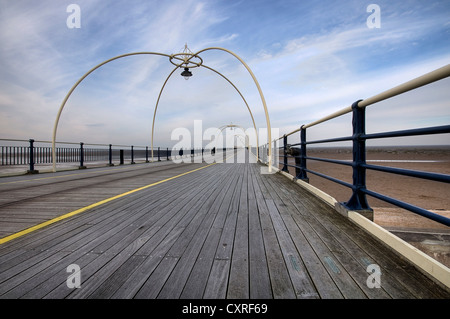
310,59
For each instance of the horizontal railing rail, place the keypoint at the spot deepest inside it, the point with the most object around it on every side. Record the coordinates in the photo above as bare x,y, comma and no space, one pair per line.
358,200
30,154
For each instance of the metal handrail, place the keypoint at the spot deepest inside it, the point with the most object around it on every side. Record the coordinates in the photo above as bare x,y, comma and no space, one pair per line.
358,201
420,81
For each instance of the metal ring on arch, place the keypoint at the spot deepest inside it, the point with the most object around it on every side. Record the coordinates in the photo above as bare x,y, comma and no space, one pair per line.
187,63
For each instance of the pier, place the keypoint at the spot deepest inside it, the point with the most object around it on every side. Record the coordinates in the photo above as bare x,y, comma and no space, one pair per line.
192,230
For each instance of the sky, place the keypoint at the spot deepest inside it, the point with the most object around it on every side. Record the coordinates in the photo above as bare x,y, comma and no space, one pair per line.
310,58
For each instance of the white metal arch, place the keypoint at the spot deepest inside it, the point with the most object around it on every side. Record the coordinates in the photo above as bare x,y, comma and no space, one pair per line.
224,127
186,61
55,128
209,68
263,100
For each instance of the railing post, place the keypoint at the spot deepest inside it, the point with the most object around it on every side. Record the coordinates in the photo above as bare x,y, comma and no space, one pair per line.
110,155
32,170
159,154
285,159
358,201
122,161
167,154
303,176
132,155
81,156
146,154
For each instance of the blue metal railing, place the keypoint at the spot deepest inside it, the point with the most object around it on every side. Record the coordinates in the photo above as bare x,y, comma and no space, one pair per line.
358,200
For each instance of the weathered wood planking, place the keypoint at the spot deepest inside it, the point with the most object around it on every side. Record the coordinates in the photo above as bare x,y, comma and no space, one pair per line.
51,196
225,231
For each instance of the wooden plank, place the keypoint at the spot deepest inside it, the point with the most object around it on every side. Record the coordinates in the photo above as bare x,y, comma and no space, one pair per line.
175,283
238,284
300,283
45,284
205,206
322,280
86,186
216,286
347,258
259,278
279,276
155,282
282,286
401,277
232,233
343,280
170,217
360,245
59,239
36,239
334,224
67,261
7,286
102,267
111,260
191,210
110,285
151,217
141,274
108,265
325,285
15,267
196,283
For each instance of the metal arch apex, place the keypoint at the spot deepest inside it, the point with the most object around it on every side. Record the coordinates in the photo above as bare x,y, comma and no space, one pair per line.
209,68
263,100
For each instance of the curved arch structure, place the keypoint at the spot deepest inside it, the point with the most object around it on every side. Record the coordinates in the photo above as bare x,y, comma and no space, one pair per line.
75,86
186,60
224,127
263,100
248,107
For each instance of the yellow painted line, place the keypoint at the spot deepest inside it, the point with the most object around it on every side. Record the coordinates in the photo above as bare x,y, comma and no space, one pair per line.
83,209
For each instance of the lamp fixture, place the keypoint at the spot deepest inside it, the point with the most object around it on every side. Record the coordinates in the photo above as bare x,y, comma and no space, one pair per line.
186,73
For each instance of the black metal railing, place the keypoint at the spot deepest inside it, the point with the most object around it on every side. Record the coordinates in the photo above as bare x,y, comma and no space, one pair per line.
69,153
31,154
358,200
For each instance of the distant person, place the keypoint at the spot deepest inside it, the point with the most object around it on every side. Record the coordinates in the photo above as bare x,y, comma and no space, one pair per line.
180,152
213,151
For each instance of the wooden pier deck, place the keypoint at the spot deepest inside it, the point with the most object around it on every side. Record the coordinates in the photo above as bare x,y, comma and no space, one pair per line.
206,231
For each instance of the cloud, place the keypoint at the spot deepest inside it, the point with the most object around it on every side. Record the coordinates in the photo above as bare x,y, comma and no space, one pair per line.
310,60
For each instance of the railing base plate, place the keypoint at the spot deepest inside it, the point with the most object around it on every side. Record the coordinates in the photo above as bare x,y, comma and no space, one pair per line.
342,209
